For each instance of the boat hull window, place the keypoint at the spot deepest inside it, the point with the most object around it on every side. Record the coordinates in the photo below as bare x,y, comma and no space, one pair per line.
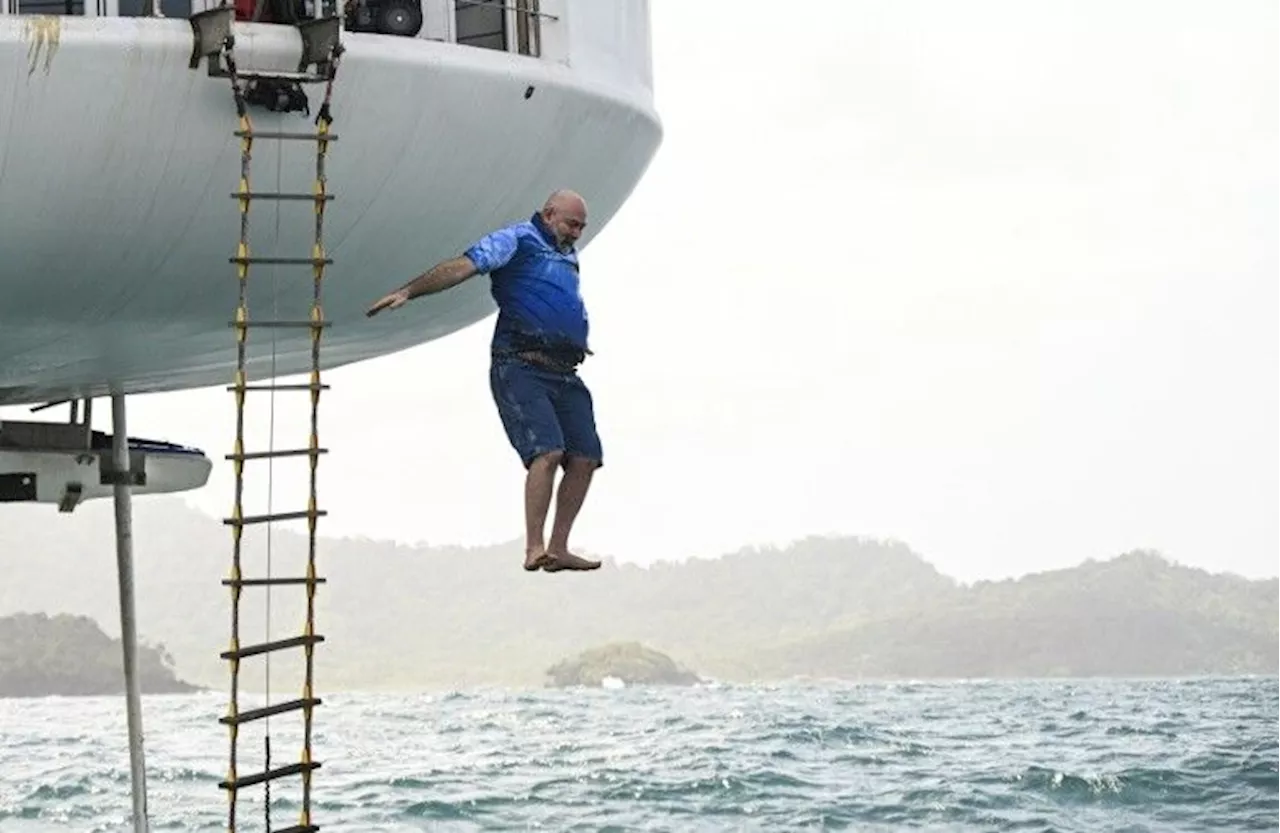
504,25
482,23
17,486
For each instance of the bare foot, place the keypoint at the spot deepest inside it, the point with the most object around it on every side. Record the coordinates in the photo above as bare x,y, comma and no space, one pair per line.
557,561
535,560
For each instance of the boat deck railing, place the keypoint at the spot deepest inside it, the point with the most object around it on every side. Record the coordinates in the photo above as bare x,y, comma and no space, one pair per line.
503,25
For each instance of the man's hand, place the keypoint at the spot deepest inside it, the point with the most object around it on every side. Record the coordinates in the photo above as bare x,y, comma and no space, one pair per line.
392,301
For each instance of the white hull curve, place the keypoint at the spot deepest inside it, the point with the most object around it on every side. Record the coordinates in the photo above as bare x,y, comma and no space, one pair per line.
68,467
117,163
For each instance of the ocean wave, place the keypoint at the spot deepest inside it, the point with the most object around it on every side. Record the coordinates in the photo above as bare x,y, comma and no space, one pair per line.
1067,756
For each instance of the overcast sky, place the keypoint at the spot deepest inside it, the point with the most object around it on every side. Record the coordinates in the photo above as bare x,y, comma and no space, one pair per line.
996,279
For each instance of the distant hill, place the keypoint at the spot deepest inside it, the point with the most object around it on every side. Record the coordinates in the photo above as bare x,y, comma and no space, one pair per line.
1136,615
70,656
400,616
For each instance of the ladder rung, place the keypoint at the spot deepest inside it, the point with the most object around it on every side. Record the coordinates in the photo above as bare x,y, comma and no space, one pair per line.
249,520
268,647
269,711
269,775
279,75
308,261
269,455
303,386
279,195
284,134
249,325
268,582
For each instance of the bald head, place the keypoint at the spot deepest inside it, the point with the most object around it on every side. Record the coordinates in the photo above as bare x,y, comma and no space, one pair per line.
565,213
565,199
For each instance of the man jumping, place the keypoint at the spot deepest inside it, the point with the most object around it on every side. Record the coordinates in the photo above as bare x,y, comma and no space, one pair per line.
538,342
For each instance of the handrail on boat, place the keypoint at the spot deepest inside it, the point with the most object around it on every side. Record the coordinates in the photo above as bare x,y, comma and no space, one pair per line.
516,26
518,9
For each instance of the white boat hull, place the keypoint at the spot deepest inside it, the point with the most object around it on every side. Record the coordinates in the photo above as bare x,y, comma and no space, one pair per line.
117,163
65,465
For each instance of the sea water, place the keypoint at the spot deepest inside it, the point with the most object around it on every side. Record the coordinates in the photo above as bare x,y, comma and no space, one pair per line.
1063,755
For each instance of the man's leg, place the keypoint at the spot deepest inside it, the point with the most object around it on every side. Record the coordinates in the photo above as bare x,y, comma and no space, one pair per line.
524,401
537,500
583,455
569,498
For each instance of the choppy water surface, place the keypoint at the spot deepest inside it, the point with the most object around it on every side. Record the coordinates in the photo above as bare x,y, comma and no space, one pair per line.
1072,755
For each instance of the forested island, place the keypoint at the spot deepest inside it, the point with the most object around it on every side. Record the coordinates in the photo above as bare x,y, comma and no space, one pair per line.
423,617
69,655
627,662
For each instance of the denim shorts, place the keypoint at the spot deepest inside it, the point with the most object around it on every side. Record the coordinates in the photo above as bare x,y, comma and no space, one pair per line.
544,410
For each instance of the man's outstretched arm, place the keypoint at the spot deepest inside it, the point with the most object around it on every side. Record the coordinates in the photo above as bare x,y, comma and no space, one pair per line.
438,278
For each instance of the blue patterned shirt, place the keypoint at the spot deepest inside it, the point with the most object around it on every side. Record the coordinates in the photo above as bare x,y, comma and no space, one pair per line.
535,286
